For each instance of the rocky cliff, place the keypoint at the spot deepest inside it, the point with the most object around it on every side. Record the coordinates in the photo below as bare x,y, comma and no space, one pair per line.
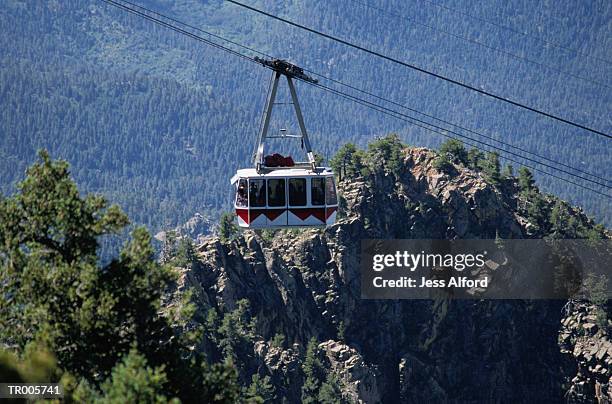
304,284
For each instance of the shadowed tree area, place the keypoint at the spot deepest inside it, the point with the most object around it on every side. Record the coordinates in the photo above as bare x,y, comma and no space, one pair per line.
97,328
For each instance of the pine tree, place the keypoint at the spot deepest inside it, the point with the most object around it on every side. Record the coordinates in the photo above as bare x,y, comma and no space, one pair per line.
454,152
260,390
559,218
133,381
491,169
236,332
443,164
330,392
536,211
525,180
474,159
341,331
278,340
348,162
508,172
386,154
227,228
313,373
185,253
88,315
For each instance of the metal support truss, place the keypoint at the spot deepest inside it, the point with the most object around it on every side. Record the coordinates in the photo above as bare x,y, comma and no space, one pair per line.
282,68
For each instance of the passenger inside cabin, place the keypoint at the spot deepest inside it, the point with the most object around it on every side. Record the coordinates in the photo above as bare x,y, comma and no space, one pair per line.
241,194
257,193
276,192
318,191
297,191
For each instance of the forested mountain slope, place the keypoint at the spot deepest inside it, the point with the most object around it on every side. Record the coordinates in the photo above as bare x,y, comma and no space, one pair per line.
158,122
282,289
262,316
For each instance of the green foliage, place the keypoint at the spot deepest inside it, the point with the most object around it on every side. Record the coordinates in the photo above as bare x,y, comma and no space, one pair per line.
314,372
474,159
10,368
454,151
341,331
442,163
133,381
227,227
508,172
562,222
237,331
385,154
61,298
596,288
185,253
221,382
536,210
278,340
491,169
348,162
39,365
268,234
319,385
330,392
525,180
261,390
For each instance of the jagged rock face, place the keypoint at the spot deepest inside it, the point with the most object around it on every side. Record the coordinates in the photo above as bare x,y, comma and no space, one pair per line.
196,228
283,365
304,284
359,380
588,343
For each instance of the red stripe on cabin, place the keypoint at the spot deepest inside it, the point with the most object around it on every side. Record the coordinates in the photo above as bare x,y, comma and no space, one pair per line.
319,214
303,214
243,214
255,213
330,211
272,214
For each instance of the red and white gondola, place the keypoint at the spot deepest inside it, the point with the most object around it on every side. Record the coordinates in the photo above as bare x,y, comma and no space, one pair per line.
279,193
285,198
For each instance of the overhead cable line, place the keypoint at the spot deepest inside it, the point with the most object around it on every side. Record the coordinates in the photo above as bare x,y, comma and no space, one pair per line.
410,120
147,10
518,32
441,131
373,95
422,70
482,44
463,128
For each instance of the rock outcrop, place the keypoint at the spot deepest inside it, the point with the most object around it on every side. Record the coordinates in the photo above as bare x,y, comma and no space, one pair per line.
305,284
196,228
359,380
585,337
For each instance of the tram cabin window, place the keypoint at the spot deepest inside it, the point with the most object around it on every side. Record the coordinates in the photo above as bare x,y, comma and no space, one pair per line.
318,191
330,191
242,193
276,192
257,193
297,191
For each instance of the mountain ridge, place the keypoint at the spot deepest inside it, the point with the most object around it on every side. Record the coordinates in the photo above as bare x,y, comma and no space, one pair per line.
305,284
191,95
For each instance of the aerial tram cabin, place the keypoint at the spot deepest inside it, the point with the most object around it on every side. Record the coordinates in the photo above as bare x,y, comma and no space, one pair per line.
278,193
